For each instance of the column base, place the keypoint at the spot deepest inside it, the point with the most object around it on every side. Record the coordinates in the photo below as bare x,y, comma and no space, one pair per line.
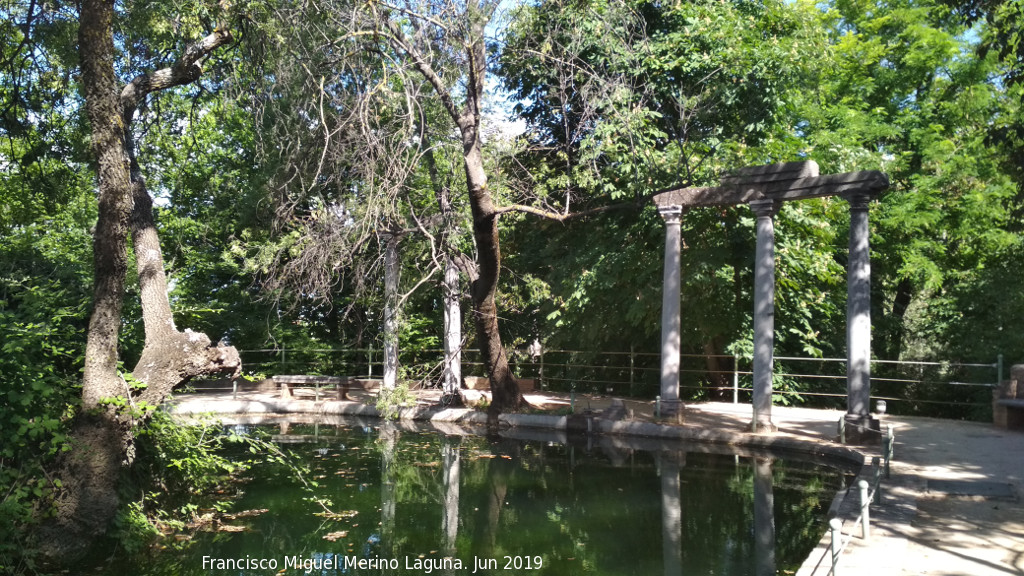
863,430
763,427
672,411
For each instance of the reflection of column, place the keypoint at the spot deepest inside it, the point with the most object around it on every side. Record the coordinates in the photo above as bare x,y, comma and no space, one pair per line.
764,313
451,471
764,518
670,323
858,311
452,334
391,272
389,435
671,517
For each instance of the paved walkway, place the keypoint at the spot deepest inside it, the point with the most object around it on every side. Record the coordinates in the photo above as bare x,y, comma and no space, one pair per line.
952,506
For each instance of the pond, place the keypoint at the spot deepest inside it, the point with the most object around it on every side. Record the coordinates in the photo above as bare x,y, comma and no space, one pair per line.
412,502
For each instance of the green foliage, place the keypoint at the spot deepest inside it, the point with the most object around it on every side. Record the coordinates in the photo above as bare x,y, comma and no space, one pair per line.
184,468
391,400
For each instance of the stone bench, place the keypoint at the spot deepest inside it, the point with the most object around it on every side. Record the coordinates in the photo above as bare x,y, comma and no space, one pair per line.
285,383
1008,401
484,383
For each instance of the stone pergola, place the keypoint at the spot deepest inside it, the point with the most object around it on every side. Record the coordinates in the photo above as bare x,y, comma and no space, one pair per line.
764,189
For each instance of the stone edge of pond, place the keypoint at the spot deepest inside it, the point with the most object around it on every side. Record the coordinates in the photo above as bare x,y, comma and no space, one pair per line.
575,423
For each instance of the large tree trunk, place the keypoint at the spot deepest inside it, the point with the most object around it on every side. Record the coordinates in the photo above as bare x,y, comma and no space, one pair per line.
102,435
505,394
504,388
169,357
89,472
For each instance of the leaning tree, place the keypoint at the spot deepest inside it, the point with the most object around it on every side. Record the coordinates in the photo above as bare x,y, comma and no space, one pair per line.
112,405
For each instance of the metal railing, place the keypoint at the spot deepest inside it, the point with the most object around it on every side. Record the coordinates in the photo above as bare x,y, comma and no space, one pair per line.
869,492
936,388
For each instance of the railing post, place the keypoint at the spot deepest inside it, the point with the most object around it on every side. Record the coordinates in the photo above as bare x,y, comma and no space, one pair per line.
865,505
999,370
877,481
890,441
735,378
657,406
369,362
632,363
836,527
540,371
842,430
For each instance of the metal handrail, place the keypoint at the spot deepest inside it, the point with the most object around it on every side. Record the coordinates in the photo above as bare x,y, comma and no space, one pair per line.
870,492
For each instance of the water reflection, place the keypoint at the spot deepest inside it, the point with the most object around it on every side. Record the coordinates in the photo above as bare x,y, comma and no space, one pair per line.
450,461
764,518
597,506
671,512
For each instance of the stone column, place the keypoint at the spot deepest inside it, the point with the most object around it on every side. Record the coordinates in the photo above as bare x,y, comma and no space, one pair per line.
858,320
670,322
452,334
391,279
764,314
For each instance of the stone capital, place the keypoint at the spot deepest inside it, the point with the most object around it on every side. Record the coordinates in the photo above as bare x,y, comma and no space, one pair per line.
764,208
673,214
858,200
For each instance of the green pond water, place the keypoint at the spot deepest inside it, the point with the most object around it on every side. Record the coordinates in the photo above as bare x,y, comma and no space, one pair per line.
426,503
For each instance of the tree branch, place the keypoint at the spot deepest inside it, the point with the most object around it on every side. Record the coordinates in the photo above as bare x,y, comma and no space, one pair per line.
401,43
565,216
185,71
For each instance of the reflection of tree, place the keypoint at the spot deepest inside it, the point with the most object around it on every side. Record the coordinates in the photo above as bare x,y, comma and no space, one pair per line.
499,471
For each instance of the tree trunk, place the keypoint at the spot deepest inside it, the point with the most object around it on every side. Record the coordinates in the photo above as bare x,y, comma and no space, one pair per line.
505,395
450,289
169,357
102,435
718,367
89,472
504,388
